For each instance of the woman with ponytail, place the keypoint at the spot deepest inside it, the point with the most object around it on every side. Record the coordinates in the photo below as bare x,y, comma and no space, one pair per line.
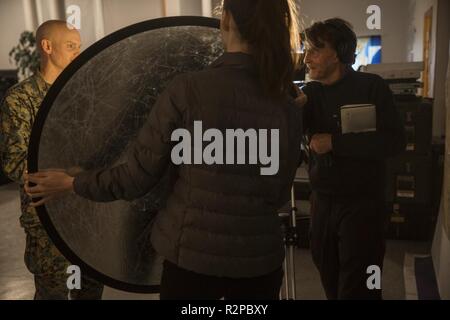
270,30
219,232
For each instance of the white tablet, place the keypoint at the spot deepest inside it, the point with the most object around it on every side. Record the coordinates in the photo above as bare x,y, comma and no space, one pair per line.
357,118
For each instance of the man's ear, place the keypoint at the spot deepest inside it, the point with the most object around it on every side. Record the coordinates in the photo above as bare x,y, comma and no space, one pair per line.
336,57
46,46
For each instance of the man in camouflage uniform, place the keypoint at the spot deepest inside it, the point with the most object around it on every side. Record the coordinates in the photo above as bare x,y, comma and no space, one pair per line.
58,46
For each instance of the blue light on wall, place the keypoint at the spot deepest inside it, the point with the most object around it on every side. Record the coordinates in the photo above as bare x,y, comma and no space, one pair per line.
368,51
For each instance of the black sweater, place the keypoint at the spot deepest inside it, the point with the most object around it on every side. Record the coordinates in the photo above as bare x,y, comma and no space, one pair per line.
356,165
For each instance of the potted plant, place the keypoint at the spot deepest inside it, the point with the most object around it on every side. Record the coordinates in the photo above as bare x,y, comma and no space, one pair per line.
25,55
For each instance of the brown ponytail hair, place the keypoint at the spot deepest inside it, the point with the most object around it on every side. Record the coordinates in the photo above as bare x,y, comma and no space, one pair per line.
271,29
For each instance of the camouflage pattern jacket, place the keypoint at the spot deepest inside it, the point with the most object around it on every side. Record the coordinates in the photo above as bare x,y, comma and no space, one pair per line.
18,111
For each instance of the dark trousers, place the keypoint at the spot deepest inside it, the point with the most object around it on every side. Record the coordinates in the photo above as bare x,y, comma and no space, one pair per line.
181,284
347,236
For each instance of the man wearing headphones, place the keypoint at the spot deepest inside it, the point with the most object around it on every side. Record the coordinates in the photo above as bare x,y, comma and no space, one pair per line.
346,165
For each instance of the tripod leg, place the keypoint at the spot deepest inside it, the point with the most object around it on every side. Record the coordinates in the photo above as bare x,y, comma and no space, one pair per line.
286,275
290,242
293,242
292,273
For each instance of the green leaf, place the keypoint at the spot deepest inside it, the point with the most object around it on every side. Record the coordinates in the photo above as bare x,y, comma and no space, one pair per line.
24,53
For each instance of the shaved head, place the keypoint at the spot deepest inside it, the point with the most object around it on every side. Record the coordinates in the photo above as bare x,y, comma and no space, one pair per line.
58,44
52,30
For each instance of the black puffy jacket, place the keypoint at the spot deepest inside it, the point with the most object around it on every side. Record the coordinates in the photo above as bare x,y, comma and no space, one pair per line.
219,220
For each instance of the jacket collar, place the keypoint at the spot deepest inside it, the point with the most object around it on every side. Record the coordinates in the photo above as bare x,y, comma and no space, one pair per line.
42,84
235,59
